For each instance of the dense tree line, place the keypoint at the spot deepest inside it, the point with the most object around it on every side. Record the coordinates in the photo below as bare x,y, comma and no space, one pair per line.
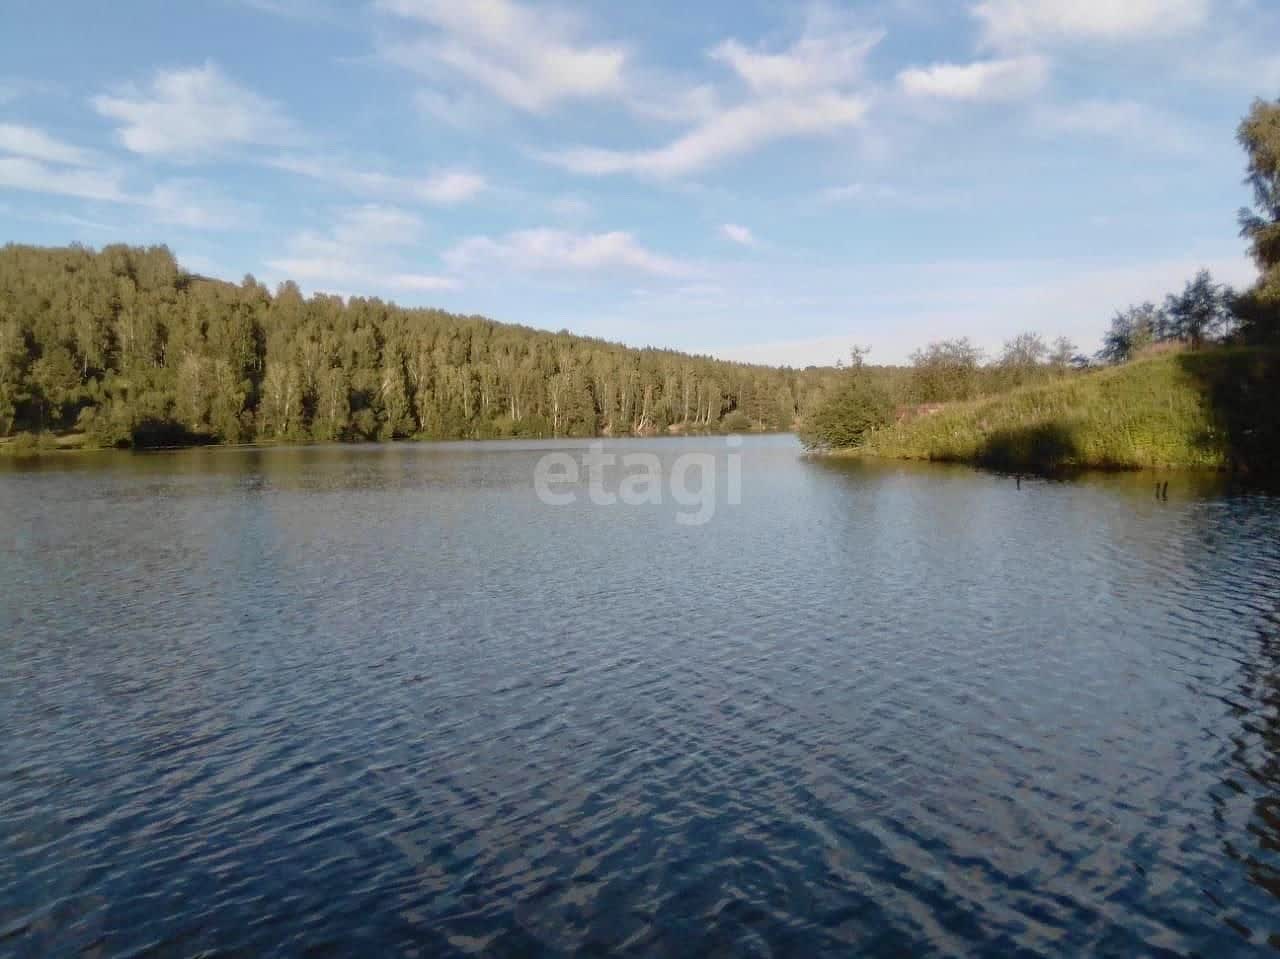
126,347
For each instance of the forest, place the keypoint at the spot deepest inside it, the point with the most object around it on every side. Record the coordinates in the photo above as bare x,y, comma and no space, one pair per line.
121,347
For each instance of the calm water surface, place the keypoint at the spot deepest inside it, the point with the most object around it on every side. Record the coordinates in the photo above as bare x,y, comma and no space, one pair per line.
381,700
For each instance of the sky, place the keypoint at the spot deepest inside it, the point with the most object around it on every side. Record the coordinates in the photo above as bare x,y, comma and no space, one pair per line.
761,181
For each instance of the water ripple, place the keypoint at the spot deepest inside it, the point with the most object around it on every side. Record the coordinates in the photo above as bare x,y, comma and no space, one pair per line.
380,700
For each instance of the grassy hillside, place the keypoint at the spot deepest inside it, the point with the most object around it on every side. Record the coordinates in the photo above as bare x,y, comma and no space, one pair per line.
1213,409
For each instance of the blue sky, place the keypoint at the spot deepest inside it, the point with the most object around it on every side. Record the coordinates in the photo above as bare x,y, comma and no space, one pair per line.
762,181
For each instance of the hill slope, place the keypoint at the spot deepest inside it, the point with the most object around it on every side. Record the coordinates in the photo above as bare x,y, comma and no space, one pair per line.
1214,409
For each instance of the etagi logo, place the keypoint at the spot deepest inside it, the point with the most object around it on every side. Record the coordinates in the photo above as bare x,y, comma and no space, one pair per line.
692,481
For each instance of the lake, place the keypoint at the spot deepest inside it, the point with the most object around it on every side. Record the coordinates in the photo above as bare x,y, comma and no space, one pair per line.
383,699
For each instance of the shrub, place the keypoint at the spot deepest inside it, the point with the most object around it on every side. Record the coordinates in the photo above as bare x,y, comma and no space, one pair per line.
848,416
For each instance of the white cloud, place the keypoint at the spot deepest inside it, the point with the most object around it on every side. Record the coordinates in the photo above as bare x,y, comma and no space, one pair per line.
731,133
1239,60
826,56
1004,79
193,113
422,283
192,204
360,250
1028,22
529,59
739,234
375,225
803,90
548,249
460,110
445,188
32,160
24,173
321,269
667,100
1115,119
38,145
359,230
203,265
63,219
174,202
332,273
346,177
450,188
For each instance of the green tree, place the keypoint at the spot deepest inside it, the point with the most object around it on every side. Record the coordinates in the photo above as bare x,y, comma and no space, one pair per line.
1259,308
946,370
57,383
1024,351
1201,311
856,408
333,404
1131,331
1064,354
13,379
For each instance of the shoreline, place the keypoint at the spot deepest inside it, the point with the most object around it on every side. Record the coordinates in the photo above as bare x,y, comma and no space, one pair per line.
62,449
1057,471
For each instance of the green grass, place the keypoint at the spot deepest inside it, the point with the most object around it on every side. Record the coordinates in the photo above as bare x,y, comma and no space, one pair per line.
1213,409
